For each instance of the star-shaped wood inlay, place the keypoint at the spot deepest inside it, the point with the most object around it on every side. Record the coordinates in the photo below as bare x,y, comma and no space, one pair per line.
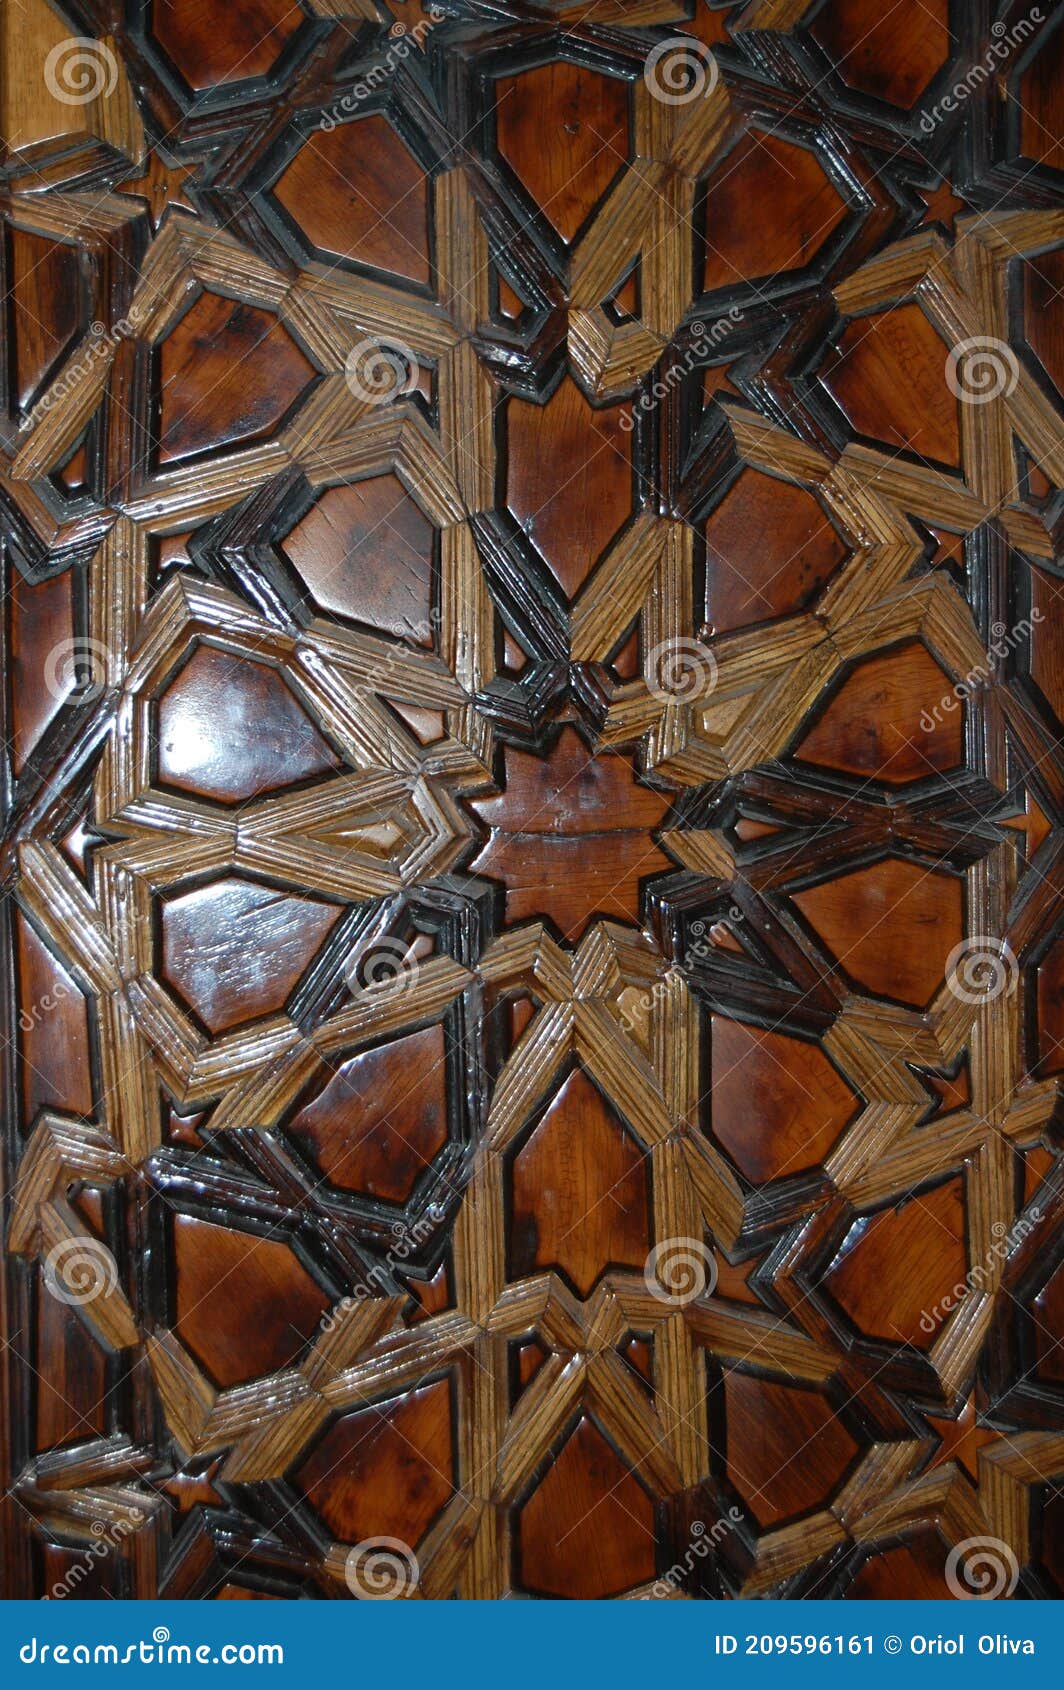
161,185
942,205
189,1490
540,827
962,1438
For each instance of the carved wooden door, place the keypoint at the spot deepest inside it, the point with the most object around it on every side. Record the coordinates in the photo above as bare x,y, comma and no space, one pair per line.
534,798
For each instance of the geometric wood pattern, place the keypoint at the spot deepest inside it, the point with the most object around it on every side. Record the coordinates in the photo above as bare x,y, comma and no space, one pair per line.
534,806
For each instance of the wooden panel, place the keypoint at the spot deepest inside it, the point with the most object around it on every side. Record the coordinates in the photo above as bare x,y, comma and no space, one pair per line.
533,806
357,192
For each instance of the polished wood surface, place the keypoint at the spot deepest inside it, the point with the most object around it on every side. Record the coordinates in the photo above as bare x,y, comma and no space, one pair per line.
534,806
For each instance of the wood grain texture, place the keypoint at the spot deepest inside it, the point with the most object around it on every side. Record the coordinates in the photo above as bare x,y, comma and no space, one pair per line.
533,801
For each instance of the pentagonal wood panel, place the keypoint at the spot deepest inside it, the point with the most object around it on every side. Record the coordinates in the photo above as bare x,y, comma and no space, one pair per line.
533,799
